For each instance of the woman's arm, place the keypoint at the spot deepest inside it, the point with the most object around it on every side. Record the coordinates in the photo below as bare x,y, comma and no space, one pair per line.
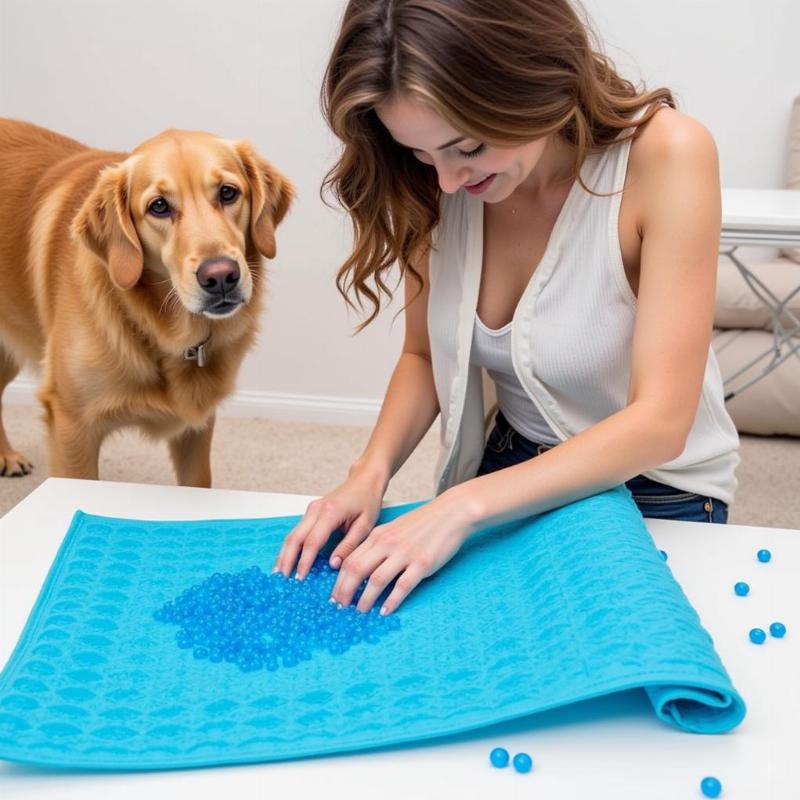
410,405
680,223
408,410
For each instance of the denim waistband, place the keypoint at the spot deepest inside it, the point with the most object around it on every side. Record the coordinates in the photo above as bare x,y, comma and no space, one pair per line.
505,427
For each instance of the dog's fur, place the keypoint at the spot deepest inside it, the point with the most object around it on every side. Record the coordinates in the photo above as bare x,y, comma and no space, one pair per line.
105,296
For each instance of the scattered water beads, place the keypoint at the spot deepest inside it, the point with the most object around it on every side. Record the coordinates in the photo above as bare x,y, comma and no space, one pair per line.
265,621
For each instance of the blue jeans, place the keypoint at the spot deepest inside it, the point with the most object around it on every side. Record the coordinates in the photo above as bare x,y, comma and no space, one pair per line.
506,447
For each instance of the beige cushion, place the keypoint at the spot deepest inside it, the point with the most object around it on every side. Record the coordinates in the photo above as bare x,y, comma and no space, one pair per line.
770,406
793,165
738,307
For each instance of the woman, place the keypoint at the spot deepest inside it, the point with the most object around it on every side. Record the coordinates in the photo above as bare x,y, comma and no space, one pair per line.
486,149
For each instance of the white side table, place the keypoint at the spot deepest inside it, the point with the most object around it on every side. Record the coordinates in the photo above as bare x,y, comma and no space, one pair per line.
771,218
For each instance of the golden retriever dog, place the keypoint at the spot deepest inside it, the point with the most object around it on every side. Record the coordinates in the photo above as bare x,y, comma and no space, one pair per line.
135,282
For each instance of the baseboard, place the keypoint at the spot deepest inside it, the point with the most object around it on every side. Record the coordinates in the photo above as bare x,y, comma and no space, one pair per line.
281,406
323,409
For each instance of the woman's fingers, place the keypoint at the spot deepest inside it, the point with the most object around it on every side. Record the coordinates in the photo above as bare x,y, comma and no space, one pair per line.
331,515
315,541
355,535
378,581
363,562
308,537
311,546
408,581
294,541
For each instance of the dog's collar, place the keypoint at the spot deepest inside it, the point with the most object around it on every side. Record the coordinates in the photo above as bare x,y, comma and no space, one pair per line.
198,352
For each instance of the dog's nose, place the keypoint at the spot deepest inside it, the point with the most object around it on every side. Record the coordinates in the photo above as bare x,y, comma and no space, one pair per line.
218,275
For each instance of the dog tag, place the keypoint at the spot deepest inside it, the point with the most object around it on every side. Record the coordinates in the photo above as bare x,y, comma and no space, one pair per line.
197,354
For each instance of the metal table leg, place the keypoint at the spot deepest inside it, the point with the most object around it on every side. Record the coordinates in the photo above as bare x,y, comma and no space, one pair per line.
785,328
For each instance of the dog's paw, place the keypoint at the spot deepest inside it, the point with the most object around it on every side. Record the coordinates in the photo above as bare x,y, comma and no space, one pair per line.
14,464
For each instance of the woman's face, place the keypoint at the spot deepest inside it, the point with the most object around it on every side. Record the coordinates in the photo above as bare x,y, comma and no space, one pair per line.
492,173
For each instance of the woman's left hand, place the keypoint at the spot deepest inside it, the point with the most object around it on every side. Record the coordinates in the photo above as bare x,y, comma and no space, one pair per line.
409,548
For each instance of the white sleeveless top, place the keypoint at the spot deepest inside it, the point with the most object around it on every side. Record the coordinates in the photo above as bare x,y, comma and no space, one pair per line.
491,349
570,337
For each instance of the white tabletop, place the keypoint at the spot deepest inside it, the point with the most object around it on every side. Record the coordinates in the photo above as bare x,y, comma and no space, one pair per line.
765,216
613,747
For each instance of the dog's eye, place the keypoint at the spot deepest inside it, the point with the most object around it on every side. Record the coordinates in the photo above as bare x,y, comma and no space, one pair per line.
228,194
159,207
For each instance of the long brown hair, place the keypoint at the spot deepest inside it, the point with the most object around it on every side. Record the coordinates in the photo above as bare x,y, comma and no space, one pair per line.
504,72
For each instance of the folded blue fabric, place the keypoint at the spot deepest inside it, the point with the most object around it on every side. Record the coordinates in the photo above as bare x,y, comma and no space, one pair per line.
567,606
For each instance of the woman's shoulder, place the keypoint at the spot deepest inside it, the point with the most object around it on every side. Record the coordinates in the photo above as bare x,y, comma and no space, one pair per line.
670,137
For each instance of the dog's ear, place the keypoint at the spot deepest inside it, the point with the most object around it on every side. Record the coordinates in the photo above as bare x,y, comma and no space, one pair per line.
271,194
105,226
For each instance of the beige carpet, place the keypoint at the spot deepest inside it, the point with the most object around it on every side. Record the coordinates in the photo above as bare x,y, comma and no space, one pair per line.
305,458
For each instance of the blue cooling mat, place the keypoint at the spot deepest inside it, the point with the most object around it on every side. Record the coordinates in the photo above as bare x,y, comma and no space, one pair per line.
570,605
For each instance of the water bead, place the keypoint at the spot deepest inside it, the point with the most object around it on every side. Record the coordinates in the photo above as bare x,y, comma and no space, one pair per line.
757,636
710,787
663,554
778,630
741,588
265,621
764,556
499,757
522,762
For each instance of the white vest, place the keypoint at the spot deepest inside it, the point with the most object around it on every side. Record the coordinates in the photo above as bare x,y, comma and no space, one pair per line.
571,340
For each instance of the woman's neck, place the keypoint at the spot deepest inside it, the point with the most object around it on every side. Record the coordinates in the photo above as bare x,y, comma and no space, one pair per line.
555,166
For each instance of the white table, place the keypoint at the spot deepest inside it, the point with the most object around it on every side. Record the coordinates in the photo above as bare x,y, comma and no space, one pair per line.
611,748
765,218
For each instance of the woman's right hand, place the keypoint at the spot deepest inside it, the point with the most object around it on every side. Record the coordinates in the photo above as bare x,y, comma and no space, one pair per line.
353,508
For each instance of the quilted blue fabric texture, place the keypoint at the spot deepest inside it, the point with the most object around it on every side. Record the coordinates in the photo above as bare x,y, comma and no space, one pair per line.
567,606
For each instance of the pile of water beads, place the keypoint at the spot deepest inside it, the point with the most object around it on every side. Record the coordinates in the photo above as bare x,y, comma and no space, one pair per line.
264,621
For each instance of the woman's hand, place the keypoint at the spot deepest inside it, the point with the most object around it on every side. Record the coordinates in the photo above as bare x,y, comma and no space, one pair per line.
352,508
409,548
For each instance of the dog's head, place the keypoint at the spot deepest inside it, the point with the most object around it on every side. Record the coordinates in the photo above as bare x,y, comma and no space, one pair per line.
193,207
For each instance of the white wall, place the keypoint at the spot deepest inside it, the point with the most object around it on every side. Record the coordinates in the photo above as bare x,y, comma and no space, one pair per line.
112,73
733,64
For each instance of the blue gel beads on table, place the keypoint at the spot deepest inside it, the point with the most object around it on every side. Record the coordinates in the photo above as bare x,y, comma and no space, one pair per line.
778,630
757,636
710,787
259,621
742,589
499,757
764,556
663,554
522,762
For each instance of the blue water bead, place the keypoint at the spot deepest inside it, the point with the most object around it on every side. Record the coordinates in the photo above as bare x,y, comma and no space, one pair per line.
663,554
499,757
764,556
710,787
757,636
741,588
522,762
778,630
259,621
